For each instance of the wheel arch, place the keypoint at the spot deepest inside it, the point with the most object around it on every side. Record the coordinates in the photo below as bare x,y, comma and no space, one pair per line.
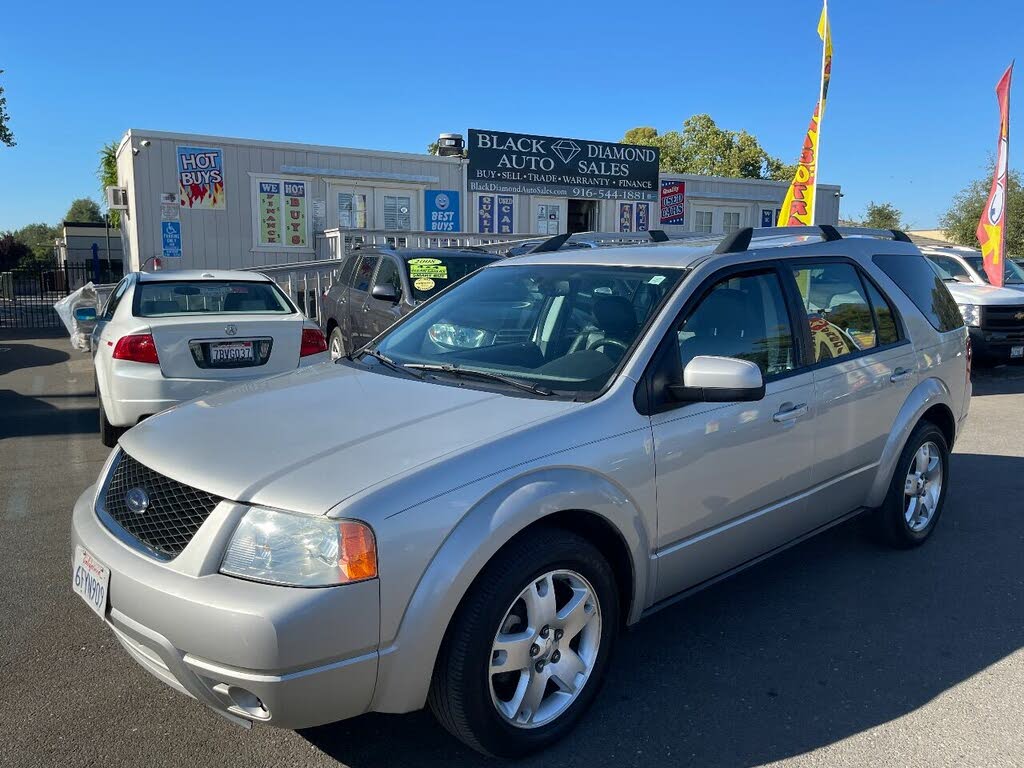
571,499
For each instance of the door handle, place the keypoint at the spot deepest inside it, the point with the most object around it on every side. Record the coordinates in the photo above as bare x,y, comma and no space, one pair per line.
788,414
900,374
366,307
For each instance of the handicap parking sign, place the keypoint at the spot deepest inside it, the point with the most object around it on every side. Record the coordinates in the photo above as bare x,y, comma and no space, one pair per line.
171,235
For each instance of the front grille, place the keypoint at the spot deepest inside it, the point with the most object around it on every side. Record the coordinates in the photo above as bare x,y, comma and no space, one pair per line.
1000,318
174,513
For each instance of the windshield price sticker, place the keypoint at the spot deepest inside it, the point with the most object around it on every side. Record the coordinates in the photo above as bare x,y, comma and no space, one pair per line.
432,268
423,284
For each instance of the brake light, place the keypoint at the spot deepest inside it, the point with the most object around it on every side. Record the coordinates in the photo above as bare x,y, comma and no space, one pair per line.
313,342
139,347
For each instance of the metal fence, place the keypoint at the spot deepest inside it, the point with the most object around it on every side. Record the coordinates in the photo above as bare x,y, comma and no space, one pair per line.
27,294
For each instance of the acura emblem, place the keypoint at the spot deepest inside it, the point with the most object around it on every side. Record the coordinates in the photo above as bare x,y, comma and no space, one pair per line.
137,500
1019,316
231,330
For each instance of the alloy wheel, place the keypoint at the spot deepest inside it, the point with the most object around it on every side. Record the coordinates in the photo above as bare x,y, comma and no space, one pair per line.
923,487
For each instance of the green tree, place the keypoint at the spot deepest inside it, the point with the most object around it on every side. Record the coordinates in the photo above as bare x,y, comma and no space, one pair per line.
84,210
39,238
702,147
882,216
107,174
6,137
960,221
12,251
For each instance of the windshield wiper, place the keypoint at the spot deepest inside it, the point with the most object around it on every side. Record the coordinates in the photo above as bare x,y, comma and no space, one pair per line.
386,361
458,371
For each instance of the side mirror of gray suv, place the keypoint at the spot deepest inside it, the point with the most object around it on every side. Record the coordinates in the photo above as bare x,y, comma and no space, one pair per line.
711,379
385,292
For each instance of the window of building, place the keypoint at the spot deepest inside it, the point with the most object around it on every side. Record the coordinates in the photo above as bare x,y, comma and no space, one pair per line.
352,210
730,222
397,212
838,311
702,221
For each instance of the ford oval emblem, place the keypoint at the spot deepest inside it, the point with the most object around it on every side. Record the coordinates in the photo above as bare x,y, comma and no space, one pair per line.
137,500
231,330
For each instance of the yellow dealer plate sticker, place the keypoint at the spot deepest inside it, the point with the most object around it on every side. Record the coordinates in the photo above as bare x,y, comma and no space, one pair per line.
428,268
423,284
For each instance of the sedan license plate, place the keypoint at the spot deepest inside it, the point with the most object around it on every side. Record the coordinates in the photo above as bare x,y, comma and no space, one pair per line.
1017,351
91,580
234,352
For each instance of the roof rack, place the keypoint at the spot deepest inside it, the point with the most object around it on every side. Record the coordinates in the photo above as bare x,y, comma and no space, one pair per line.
739,241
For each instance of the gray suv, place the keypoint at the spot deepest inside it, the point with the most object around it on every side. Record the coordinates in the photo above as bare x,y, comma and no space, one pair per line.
468,512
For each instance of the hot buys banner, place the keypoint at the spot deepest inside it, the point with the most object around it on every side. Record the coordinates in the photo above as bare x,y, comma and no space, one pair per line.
201,178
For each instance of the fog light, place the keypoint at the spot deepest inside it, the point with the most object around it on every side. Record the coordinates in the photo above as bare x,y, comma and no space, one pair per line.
248,702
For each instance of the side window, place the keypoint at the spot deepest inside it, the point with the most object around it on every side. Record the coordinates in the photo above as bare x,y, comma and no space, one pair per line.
838,312
923,287
364,272
745,317
388,275
348,270
885,316
115,299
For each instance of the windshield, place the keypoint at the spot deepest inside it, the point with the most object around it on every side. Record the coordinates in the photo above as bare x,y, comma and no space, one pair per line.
1012,274
430,275
948,268
208,297
562,327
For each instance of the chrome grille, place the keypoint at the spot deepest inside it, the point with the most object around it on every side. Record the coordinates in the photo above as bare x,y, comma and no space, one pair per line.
174,514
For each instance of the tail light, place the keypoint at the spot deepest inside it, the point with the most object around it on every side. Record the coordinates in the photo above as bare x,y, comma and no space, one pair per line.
313,342
139,347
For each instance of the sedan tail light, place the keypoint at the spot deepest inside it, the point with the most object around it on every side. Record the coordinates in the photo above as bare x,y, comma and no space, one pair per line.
139,347
313,342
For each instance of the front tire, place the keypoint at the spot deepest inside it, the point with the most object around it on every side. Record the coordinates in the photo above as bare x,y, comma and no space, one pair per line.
917,492
336,344
528,648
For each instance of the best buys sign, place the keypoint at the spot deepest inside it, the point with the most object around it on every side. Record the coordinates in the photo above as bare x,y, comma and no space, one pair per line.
442,210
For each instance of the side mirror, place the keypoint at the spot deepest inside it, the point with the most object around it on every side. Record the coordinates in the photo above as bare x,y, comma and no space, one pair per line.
712,379
385,292
85,315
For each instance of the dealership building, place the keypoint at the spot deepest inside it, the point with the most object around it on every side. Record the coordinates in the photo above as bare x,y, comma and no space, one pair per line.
197,201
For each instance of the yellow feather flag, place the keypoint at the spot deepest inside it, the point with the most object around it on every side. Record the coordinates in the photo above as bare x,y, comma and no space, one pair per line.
798,205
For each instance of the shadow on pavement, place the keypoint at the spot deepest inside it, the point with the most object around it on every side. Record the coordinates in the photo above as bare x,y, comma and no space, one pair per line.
1004,380
22,416
827,640
16,357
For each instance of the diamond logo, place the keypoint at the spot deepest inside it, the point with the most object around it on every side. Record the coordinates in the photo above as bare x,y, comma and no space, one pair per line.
566,149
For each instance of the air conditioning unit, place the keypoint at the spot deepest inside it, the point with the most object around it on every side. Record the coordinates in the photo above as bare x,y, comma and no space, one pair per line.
117,198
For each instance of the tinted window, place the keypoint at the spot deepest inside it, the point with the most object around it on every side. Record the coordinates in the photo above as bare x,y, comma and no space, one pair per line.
364,272
838,312
923,287
348,271
885,315
208,297
743,317
388,275
429,275
564,327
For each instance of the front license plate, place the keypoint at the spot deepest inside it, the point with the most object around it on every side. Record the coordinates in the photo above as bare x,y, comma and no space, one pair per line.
91,580
237,352
1017,351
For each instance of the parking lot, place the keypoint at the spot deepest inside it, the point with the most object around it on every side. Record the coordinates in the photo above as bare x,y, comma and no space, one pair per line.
834,653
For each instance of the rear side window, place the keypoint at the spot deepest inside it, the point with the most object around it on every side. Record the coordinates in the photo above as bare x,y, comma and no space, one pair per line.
838,313
158,299
923,287
348,270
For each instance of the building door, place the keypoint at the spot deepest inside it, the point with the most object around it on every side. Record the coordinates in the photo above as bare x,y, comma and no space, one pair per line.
549,216
582,216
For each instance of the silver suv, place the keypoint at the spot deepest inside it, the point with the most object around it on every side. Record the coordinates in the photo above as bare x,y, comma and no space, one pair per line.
469,510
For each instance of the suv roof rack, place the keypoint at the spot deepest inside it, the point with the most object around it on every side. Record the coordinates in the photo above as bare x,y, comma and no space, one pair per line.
739,241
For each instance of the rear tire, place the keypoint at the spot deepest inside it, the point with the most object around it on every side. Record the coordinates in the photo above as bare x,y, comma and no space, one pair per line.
917,492
336,344
109,434
493,711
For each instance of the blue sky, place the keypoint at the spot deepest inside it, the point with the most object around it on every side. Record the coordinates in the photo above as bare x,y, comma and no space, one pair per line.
911,116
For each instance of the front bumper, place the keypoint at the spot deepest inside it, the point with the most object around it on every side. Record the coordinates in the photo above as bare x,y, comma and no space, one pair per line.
996,346
290,657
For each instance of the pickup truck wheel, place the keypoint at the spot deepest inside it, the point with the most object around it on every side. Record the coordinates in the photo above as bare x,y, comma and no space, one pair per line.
528,648
336,344
918,490
108,432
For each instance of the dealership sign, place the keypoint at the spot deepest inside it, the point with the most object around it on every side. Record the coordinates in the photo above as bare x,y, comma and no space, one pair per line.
517,163
673,196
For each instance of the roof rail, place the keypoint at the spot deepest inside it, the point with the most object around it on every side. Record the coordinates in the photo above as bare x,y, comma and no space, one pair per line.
740,240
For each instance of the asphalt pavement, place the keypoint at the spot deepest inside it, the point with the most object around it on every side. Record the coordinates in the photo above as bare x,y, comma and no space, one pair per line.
835,653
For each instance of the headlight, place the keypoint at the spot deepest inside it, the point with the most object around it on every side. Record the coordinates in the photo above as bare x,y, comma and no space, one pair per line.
299,550
451,335
971,313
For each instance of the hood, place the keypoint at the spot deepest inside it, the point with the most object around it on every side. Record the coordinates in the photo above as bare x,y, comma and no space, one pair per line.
976,293
306,440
